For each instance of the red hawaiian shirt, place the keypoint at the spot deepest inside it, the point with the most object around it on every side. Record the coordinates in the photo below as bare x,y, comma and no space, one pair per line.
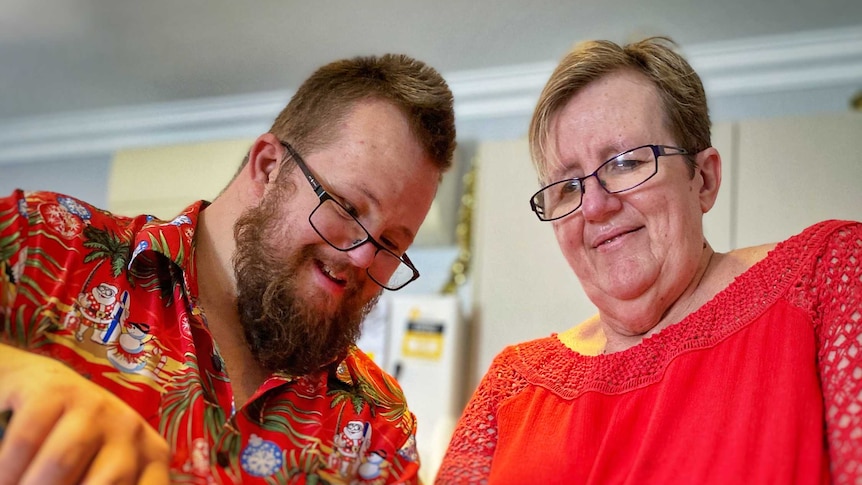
115,299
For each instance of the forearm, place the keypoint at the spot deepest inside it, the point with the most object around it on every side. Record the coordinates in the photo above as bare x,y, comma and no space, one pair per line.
469,455
838,282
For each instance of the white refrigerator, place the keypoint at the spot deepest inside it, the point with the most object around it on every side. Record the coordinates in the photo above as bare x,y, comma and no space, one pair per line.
422,341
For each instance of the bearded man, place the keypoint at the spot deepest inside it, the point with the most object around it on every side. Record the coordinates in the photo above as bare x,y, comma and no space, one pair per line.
252,302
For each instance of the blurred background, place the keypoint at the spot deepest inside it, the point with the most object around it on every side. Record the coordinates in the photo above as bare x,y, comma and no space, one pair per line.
146,106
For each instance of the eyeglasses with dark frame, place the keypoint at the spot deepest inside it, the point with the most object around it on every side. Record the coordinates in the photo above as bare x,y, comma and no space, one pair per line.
336,225
620,173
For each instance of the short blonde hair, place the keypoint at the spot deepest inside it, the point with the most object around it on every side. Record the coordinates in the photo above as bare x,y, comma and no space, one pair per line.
685,110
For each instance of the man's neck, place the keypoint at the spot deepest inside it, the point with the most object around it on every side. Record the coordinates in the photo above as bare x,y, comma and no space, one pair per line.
217,296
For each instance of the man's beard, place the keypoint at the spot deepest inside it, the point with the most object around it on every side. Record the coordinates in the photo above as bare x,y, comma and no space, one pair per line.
284,332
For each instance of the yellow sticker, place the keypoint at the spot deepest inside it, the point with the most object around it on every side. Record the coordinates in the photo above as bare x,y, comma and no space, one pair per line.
423,340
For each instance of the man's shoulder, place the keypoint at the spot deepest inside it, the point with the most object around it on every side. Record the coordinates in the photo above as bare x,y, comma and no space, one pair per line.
359,372
360,366
65,214
38,197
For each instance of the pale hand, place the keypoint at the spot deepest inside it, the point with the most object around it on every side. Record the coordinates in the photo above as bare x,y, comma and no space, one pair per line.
67,430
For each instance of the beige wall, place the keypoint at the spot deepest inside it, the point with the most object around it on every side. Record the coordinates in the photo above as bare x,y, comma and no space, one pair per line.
797,171
523,286
162,181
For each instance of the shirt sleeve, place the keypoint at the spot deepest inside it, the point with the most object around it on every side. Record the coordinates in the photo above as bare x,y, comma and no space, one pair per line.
13,231
406,462
837,306
471,451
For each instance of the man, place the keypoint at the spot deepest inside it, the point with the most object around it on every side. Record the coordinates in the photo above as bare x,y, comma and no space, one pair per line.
229,330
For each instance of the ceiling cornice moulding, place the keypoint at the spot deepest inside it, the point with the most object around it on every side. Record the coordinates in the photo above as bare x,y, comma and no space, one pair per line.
807,60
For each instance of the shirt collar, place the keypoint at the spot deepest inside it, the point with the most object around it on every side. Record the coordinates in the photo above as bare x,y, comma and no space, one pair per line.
172,240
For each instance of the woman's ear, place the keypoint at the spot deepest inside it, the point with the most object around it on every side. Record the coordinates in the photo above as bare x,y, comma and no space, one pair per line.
709,169
264,161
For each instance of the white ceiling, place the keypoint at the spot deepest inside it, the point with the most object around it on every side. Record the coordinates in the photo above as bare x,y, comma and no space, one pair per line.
70,55
67,59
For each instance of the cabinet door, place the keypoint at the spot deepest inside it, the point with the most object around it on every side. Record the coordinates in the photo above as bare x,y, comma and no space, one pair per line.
793,172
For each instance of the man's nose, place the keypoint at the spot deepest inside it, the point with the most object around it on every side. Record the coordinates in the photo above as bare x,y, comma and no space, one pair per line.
362,256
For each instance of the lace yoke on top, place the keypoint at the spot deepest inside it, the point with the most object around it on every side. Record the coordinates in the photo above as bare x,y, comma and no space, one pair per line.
548,363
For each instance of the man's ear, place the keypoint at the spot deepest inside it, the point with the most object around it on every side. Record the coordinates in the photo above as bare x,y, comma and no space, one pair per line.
264,161
709,170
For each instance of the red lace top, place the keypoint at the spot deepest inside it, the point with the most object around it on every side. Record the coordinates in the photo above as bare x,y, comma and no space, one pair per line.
763,384
115,299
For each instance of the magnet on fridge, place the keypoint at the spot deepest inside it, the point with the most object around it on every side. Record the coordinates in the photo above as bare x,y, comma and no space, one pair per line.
423,339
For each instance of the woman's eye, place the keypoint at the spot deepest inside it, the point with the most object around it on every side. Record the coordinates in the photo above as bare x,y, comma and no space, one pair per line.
624,165
570,187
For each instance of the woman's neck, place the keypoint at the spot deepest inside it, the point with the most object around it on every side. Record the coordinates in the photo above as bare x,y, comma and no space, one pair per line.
701,288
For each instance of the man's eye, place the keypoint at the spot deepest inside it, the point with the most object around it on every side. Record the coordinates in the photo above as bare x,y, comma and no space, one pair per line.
344,212
350,209
346,209
390,245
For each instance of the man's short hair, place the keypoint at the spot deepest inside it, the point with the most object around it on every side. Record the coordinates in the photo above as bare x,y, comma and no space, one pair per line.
310,119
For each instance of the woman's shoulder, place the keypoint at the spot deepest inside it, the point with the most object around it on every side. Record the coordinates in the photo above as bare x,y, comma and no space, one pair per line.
522,359
832,244
823,233
738,261
752,254
545,361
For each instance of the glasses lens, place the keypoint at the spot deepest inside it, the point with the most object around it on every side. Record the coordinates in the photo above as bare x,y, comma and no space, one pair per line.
389,271
342,231
336,226
628,170
558,199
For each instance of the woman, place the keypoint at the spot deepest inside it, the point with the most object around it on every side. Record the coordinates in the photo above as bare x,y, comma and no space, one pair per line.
700,367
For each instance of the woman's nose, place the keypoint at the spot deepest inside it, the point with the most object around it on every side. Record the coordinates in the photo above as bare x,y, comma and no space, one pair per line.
596,202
